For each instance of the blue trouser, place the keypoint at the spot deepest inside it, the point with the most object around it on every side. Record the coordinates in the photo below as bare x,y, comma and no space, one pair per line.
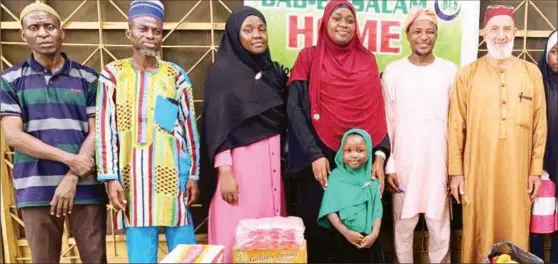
143,242
537,246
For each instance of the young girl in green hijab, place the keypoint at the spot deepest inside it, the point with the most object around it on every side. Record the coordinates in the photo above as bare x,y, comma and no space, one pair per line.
352,203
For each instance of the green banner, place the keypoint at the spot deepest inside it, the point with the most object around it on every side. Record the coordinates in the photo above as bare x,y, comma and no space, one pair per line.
293,25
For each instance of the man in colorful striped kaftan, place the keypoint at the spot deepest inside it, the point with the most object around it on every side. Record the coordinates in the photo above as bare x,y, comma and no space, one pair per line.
147,141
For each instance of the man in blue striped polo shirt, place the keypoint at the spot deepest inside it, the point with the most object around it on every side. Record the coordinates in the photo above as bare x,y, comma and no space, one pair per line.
47,105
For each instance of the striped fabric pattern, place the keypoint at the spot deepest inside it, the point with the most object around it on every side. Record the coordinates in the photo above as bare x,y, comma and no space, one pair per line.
55,108
543,218
196,254
147,139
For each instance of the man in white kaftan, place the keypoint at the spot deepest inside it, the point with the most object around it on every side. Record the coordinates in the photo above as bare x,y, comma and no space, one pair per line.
417,92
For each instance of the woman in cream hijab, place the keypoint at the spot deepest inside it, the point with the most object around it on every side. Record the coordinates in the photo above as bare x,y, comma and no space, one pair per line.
548,64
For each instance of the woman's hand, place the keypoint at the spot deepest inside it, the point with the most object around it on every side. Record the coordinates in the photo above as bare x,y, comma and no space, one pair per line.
321,170
378,172
229,187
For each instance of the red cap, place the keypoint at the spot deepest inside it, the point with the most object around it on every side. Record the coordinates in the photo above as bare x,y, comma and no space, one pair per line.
498,10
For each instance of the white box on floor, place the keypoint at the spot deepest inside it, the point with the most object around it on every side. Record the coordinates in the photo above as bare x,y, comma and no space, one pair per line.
196,253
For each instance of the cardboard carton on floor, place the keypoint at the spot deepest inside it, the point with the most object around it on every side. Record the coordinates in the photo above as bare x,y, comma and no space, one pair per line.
196,254
270,255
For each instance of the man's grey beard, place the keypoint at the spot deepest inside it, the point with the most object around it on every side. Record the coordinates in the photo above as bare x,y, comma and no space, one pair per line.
500,53
149,52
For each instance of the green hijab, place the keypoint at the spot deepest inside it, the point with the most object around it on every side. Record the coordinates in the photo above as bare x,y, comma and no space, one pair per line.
351,192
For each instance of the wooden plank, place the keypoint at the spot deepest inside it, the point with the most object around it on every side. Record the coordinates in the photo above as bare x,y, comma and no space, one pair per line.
9,230
9,250
1,64
120,256
13,25
1,150
66,244
106,25
531,33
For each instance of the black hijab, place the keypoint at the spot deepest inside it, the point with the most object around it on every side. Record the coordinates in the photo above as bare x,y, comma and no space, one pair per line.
244,100
550,79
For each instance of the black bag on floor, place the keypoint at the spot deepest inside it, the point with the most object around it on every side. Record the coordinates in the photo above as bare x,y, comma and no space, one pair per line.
516,253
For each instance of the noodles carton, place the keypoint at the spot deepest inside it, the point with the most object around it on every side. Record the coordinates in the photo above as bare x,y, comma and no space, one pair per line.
270,240
297,255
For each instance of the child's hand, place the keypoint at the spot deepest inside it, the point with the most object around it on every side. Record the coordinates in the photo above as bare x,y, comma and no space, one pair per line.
368,241
354,238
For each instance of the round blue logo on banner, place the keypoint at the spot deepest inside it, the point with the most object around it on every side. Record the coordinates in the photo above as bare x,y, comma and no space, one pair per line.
448,10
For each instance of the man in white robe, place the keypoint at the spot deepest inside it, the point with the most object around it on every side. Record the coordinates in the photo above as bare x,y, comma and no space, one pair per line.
417,91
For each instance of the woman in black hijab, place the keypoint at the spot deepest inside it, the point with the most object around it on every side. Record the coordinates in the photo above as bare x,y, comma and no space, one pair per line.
548,64
244,118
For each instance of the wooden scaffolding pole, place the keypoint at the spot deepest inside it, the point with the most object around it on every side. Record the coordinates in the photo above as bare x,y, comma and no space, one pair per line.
9,251
3,174
9,229
114,25
525,27
1,140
